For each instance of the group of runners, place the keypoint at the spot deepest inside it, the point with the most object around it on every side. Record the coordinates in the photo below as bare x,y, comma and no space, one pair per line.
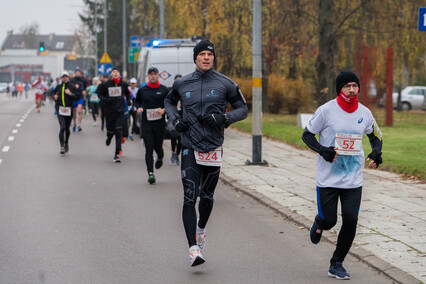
196,111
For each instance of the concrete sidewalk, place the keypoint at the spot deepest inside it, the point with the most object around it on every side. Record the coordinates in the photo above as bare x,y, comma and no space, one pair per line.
391,234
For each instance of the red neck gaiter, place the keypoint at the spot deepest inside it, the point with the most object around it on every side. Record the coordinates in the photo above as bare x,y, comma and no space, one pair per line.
116,81
348,104
154,86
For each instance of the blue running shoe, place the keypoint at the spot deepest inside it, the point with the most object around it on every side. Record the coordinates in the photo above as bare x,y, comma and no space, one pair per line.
315,234
336,270
73,128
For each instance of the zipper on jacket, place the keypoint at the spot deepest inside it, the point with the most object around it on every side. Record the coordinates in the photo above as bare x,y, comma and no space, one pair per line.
202,84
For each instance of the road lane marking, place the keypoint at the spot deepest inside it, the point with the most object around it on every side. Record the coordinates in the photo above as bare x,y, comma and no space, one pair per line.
21,120
1,161
18,125
11,138
15,131
6,148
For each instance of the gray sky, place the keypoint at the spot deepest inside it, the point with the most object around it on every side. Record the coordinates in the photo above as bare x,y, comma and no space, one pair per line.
52,16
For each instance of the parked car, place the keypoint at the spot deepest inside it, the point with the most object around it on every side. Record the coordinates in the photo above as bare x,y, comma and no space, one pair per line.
412,97
3,87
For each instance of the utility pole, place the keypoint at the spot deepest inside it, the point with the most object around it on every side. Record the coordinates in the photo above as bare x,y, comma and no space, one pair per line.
257,86
105,26
124,42
162,19
96,37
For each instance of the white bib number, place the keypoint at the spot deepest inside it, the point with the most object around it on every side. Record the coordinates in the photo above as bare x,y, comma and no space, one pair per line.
65,111
94,98
152,114
348,144
212,158
114,91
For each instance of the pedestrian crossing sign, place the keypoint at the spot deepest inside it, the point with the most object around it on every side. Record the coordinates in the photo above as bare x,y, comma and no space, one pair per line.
105,58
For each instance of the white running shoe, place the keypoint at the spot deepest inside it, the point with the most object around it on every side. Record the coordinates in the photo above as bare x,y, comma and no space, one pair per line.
195,256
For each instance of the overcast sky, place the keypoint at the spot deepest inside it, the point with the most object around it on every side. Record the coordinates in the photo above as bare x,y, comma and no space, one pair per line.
52,16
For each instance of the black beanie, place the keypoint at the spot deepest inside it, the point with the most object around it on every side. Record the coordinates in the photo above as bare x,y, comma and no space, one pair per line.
116,68
345,77
203,45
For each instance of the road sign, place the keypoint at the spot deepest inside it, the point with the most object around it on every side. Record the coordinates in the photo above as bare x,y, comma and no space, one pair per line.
422,19
134,54
105,58
135,41
104,68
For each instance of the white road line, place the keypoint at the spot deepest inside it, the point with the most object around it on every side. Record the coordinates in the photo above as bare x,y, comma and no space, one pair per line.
1,161
15,131
11,138
21,120
18,125
6,148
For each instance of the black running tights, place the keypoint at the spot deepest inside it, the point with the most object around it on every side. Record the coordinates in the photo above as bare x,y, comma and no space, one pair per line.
64,132
193,176
350,200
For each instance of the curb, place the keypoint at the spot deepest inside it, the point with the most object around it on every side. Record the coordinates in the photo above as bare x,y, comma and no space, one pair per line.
394,273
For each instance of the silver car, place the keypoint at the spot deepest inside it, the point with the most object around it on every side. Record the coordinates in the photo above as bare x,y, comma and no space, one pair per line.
412,97
3,87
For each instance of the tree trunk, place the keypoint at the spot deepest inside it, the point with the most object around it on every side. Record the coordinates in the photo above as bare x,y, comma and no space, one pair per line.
324,64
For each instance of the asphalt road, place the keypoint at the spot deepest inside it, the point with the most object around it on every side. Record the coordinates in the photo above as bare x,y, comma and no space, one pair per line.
80,218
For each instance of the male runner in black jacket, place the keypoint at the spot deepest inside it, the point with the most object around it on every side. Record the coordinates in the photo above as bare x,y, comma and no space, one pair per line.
112,94
150,104
65,94
204,95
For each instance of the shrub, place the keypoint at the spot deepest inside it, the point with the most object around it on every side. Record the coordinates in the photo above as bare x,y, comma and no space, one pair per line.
288,95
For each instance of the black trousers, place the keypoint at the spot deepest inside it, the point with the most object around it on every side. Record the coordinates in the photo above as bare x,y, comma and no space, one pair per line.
114,126
95,110
350,199
153,137
64,131
175,141
196,177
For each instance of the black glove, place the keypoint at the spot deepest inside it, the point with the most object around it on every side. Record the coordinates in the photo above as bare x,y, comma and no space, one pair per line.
328,153
181,125
376,157
214,119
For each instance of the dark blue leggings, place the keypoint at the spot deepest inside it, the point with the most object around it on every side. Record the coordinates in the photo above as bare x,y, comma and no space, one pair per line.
350,199
196,177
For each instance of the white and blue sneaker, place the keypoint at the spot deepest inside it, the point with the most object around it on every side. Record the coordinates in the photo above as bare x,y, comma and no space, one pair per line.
336,270
195,256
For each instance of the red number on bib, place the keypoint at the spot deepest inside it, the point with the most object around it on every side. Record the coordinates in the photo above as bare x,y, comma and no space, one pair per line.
214,156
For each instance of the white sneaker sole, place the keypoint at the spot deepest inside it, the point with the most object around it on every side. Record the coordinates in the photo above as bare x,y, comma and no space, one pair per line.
337,277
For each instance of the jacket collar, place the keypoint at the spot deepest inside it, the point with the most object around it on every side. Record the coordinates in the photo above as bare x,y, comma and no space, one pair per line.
208,73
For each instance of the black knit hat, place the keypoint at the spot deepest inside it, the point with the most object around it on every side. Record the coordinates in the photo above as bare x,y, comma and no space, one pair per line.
116,68
203,45
345,77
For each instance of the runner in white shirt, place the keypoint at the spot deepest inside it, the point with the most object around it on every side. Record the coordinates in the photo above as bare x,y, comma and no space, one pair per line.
40,87
341,123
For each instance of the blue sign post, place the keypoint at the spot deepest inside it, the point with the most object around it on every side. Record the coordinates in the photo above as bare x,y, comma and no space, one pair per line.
104,68
422,19
135,41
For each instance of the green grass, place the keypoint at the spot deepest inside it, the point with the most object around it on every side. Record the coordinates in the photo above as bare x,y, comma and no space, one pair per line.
404,143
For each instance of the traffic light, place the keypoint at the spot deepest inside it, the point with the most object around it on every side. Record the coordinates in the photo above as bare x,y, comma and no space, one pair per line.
41,48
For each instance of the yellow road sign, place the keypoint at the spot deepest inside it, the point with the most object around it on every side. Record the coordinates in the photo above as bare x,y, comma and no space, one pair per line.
105,58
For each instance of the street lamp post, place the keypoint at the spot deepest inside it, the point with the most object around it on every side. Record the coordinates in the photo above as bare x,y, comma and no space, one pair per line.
257,87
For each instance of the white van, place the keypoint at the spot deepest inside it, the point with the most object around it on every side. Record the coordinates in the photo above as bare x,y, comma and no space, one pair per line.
169,56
